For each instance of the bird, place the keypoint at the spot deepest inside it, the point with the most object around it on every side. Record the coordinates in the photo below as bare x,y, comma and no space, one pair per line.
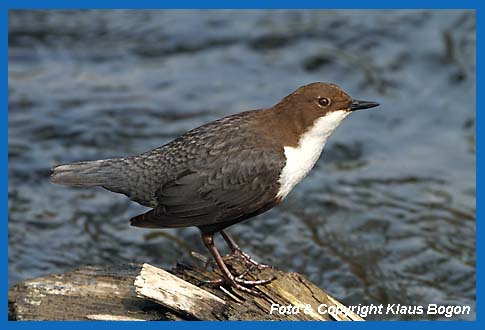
226,171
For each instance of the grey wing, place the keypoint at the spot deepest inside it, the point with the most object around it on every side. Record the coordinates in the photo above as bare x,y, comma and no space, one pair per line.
140,177
227,191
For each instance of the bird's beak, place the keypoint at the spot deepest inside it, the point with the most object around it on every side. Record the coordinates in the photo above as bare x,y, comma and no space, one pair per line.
360,105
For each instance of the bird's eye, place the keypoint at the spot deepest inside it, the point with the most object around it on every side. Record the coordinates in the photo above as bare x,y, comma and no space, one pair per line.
323,102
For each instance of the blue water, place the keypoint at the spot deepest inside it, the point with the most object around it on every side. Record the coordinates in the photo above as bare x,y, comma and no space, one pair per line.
386,216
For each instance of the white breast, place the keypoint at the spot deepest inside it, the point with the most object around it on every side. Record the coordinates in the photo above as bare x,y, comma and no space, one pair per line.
300,159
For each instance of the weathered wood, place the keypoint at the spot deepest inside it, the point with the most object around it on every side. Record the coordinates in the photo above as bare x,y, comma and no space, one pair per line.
94,293
88,293
287,289
174,293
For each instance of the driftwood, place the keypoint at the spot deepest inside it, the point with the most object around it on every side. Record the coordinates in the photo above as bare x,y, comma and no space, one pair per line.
144,292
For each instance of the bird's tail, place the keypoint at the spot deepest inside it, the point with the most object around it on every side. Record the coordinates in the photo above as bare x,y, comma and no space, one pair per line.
87,174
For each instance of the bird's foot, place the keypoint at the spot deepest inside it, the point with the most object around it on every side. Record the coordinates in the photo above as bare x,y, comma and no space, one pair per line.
246,258
238,282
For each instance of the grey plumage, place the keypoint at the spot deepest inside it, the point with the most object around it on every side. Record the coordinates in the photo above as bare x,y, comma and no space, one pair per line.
210,177
81,174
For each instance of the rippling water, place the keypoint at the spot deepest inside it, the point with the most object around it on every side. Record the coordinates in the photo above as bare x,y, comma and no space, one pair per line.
386,216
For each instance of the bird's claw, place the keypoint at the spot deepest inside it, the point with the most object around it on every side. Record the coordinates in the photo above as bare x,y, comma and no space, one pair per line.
238,282
246,258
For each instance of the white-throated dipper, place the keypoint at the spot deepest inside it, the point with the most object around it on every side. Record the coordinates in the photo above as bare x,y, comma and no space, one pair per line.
225,171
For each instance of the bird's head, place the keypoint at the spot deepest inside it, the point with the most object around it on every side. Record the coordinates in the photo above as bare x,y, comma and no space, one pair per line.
320,105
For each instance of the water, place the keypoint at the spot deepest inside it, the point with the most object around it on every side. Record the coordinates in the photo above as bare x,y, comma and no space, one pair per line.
386,216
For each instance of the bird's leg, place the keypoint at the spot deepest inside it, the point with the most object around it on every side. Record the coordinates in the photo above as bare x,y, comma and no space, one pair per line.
237,252
236,282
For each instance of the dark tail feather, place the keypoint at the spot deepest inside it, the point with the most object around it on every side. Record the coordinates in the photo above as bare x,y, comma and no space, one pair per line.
146,220
87,174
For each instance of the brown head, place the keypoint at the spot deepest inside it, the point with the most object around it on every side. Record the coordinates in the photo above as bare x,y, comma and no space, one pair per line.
298,112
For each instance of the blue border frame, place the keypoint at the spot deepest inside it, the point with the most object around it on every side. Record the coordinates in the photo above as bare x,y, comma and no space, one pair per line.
248,4
6,5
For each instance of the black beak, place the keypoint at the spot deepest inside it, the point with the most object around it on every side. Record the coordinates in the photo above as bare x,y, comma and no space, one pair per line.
360,105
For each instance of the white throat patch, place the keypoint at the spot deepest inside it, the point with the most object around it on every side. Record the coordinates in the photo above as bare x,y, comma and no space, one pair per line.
301,159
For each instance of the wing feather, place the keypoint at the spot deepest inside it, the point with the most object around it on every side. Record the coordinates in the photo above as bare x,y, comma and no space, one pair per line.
228,190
